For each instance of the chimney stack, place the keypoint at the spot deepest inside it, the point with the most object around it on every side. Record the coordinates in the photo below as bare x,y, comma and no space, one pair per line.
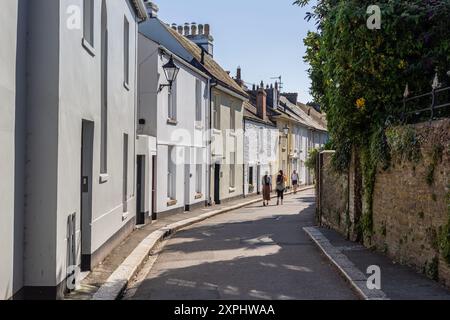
152,9
261,103
200,35
238,78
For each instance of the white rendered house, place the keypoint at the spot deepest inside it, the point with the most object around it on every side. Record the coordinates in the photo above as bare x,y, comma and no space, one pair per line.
75,111
176,117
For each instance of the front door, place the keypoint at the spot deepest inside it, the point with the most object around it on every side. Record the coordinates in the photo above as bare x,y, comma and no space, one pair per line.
87,145
154,173
258,179
140,191
217,183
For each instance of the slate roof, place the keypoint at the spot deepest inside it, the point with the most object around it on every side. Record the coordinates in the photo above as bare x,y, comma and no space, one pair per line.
211,66
313,113
251,113
298,114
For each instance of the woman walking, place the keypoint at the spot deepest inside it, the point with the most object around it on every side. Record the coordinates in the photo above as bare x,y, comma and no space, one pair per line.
267,188
295,179
281,186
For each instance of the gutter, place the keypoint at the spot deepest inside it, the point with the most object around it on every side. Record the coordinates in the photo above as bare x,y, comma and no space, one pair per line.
231,92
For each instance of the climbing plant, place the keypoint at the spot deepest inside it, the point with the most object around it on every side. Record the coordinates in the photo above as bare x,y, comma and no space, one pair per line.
359,75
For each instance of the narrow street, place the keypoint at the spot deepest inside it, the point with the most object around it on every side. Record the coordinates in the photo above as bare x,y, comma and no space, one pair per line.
252,253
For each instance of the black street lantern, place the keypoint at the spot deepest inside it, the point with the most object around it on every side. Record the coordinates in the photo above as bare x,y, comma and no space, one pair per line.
171,72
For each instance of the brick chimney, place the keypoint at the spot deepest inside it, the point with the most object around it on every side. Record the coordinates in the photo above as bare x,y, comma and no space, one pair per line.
261,103
238,78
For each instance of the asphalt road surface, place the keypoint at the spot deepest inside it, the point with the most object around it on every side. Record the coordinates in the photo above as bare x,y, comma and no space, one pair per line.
252,253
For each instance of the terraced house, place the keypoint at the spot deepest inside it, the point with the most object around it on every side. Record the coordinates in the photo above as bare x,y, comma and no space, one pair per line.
71,105
174,115
224,117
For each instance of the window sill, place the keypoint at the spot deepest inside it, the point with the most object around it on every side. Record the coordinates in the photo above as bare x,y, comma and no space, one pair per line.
104,177
198,196
216,131
232,190
171,203
233,133
126,86
172,122
90,49
199,127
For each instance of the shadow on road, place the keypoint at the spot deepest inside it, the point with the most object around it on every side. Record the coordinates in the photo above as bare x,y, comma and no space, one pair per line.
253,253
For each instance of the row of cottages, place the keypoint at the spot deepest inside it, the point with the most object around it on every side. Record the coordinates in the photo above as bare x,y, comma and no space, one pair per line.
95,139
67,138
190,132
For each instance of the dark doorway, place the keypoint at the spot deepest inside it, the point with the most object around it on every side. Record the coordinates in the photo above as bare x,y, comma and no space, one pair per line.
217,183
258,180
87,146
140,190
154,173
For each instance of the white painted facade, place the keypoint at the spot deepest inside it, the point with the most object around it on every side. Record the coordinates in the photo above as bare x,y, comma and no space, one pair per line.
11,210
63,91
260,154
180,136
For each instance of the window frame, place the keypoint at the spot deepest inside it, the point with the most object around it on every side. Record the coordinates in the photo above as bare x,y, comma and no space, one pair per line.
126,53
88,26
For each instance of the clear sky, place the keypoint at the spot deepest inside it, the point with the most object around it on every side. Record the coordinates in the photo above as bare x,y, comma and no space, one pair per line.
264,37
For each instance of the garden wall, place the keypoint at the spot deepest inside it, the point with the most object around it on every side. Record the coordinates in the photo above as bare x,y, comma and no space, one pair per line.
411,199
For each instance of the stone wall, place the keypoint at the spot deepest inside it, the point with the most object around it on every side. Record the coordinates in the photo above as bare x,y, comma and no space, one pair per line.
410,202
333,195
410,205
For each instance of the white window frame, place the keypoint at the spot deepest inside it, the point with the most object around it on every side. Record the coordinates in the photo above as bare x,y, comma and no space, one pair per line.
198,102
126,53
171,174
88,25
172,102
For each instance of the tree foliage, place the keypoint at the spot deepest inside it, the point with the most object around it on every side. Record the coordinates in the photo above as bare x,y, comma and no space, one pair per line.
359,75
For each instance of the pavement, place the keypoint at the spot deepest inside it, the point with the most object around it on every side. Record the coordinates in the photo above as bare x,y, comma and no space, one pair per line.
352,260
255,252
125,260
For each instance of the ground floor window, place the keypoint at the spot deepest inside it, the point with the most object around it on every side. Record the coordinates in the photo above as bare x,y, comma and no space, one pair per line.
171,174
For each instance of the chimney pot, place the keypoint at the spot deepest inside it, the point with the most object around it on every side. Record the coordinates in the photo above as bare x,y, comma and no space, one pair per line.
200,29
207,30
174,26
152,9
186,29
180,29
193,28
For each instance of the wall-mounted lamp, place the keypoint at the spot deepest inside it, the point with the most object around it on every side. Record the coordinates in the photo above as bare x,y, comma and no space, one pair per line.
171,73
286,130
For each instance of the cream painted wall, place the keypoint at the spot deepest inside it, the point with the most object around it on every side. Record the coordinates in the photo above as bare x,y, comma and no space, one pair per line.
224,137
64,90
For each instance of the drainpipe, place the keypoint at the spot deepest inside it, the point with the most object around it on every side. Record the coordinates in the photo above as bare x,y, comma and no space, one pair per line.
211,83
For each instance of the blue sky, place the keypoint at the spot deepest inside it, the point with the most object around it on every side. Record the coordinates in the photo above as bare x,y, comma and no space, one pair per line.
264,37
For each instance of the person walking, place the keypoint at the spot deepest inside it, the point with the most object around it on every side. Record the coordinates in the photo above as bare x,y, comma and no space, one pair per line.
281,187
295,181
267,188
